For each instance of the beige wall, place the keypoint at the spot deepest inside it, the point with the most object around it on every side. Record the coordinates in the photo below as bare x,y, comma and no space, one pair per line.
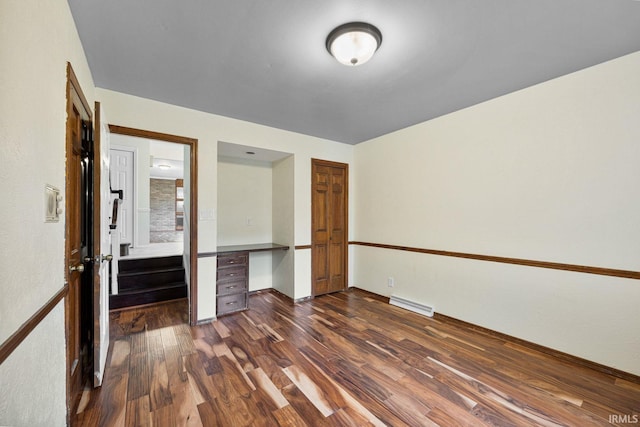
244,212
549,173
36,41
244,193
283,225
209,129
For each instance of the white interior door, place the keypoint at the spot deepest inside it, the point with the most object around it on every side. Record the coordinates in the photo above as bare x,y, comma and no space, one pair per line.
122,178
101,295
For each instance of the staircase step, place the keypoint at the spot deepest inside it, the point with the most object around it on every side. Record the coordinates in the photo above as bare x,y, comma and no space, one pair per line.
127,265
150,279
147,296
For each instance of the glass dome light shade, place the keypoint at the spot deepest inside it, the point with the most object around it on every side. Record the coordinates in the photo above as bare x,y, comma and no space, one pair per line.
354,43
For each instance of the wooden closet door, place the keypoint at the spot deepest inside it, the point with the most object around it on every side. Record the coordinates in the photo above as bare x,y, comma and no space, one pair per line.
329,215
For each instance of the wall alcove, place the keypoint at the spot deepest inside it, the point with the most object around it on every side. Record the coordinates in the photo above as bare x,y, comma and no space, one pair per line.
256,206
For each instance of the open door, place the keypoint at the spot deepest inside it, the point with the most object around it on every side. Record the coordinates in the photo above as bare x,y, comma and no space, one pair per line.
101,245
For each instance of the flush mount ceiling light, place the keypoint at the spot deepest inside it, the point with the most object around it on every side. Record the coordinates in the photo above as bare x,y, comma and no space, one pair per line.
354,43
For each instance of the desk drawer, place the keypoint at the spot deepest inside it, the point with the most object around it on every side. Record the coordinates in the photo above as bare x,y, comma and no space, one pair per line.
232,273
230,303
232,287
232,282
233,259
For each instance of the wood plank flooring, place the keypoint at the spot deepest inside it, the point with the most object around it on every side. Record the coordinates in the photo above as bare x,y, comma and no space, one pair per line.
345,359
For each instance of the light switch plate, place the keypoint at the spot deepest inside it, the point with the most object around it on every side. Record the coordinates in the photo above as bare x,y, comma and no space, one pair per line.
52,199
207,215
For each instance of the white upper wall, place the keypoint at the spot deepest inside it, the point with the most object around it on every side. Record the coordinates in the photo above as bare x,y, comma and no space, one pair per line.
549,173
36,41
244,202
32,144
283,225
244,212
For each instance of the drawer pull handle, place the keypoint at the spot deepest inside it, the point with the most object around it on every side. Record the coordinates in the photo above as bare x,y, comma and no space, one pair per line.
232,274
231,287
231,303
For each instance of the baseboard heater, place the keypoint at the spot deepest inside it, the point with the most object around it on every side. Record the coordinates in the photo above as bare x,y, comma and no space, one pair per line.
411,306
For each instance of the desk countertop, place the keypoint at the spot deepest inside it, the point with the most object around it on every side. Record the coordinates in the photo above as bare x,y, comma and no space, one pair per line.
255,247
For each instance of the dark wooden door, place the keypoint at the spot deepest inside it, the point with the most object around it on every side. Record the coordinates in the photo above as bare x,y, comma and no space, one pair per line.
329,213
79,223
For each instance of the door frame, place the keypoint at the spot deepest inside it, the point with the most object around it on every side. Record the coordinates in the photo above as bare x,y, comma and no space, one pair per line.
345,166
75,99
193,214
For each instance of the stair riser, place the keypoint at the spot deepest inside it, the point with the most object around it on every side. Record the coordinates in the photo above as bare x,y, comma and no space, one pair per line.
149,280
127,265
160,295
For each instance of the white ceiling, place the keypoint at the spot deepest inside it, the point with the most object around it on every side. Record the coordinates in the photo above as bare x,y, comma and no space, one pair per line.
175,169
166,150
266,62
168,154
237,151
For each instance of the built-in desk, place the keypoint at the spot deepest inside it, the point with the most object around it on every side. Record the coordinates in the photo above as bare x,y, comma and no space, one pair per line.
232,275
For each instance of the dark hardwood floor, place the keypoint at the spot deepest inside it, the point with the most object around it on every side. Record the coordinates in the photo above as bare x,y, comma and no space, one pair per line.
345,359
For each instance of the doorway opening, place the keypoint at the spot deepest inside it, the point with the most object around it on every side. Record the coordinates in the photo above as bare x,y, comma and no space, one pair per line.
158,261
150,174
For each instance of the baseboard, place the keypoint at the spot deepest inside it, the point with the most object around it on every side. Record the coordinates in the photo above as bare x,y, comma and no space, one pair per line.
274,291
372,295
205,321
285,296
151,304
